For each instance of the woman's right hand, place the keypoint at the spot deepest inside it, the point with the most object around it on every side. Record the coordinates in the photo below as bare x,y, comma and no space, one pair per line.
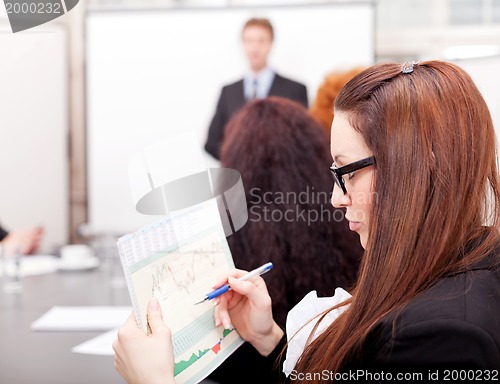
248,307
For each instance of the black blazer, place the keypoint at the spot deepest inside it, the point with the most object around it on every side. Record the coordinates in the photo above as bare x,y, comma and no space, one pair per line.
454,324
232,99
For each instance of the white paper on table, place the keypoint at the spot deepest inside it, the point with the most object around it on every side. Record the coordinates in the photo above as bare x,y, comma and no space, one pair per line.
82,318
31,265
99,345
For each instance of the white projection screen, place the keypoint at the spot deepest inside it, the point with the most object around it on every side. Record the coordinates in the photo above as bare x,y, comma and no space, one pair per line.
152,74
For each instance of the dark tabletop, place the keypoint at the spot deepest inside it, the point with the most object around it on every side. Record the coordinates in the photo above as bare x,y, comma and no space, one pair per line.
28,357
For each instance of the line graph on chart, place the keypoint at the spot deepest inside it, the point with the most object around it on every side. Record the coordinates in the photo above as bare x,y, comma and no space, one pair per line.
184,267
180,277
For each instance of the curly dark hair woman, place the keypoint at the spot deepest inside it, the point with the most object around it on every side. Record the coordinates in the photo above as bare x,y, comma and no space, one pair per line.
282,154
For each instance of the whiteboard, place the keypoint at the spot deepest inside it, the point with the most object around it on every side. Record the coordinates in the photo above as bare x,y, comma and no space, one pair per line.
34,131
482,71
154,74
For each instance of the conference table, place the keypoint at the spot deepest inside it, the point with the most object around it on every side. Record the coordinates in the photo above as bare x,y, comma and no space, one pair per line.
28,357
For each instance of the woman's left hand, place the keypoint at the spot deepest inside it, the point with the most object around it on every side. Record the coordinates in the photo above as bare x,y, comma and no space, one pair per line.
142,358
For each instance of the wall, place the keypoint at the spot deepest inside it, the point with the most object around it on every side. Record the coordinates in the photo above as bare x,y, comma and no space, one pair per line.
34,131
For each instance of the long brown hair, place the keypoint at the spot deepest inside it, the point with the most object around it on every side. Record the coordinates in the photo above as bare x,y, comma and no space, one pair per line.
436,186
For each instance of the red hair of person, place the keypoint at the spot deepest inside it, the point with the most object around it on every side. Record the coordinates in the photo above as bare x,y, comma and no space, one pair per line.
322,108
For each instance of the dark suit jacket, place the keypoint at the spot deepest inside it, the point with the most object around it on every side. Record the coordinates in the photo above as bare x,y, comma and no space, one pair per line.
232,99
455,324
3,233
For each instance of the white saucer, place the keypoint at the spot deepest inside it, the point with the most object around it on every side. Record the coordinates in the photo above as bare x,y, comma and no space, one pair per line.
84,264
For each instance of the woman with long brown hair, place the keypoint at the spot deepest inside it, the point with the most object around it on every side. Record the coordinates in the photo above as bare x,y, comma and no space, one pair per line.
415,168
279,150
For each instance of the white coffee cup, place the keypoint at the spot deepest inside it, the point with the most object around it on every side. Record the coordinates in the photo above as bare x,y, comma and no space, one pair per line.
76,254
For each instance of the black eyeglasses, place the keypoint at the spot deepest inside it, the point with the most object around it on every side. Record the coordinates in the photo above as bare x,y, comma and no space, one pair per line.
337,173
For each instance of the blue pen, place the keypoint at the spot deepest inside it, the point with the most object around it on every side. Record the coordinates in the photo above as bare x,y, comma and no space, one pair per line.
220,291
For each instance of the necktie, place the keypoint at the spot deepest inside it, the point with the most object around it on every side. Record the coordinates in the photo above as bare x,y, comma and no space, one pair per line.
254,95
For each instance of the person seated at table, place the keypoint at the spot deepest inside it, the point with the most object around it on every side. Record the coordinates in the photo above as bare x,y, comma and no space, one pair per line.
280,152
25,241
419,141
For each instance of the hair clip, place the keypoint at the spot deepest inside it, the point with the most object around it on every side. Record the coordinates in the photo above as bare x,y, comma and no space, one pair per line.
408,66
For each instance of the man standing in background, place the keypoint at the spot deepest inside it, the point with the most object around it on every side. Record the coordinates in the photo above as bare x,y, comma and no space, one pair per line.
260,82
